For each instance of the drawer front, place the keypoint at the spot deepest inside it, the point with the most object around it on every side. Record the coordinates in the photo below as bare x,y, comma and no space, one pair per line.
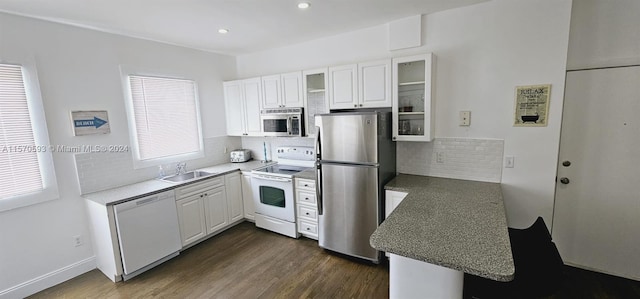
307,213
305,184
306,197
307,228
199,187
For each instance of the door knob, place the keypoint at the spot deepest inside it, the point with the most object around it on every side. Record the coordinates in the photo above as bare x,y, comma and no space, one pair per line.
566,163
564,180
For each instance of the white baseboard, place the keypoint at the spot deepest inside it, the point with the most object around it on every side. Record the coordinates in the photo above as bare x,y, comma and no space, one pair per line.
50,279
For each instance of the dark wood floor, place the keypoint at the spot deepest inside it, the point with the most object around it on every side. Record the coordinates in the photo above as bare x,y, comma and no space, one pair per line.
246,262
243,262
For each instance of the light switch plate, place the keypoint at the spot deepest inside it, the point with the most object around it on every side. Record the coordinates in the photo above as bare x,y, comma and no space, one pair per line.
465,118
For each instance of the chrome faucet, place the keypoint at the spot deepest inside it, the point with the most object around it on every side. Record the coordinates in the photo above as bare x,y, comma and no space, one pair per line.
181,168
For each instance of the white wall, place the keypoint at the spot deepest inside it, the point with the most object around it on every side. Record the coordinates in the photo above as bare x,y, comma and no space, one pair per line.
78,69
604,34
483,51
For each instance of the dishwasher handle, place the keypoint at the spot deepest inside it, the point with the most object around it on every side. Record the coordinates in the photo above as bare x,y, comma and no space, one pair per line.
132,204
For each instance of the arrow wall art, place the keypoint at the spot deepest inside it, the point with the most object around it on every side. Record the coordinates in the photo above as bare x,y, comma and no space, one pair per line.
90,122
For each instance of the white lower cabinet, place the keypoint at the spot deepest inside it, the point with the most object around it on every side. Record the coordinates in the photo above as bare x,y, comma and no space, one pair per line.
306,208
391,200
208,207
233,186
215,207
247,197
191,219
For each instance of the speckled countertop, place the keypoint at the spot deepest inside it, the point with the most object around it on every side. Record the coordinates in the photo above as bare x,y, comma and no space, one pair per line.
456,224
137,190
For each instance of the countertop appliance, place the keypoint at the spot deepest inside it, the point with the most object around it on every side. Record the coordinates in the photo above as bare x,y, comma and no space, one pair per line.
355,159
283,122
273,189
148,232
240,155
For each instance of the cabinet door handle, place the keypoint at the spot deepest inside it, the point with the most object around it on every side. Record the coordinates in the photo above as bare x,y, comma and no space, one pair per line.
308,228
307,213
355,105
360,105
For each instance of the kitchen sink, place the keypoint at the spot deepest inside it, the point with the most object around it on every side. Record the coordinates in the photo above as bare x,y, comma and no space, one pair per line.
188,176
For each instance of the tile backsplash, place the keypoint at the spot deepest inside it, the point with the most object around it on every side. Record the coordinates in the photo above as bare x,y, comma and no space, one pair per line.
460,158
101,171
457,158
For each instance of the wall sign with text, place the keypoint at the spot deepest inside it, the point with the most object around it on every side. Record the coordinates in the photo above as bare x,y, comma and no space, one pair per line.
90,122
532,105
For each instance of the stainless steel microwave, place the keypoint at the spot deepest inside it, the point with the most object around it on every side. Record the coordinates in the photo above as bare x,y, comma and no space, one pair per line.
282,122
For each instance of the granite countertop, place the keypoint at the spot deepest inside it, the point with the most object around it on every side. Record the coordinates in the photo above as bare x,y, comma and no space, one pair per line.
129,192
452,223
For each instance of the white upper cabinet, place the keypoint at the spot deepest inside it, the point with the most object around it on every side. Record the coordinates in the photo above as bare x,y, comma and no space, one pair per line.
343,87
284,90
242,106
362,85
252,98
413,109
271,91
374,81
292,89
316,99
234,108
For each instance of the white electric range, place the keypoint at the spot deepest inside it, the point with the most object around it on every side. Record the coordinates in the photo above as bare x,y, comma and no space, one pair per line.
273,192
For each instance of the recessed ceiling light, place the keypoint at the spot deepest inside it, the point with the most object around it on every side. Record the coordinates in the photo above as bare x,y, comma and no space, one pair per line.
303,5
223,31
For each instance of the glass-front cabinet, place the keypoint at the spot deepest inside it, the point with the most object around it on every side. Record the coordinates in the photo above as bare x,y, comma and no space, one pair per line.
413,112
316,99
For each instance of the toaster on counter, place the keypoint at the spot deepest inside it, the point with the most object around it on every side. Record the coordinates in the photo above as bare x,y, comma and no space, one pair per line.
240,155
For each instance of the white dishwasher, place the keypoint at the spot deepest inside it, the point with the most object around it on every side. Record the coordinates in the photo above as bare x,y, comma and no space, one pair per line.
148,232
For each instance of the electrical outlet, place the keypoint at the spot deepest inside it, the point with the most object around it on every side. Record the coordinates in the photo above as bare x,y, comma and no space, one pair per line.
509,161
440,157
77,240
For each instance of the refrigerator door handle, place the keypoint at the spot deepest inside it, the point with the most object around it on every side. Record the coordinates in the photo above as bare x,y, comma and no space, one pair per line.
319,169
319,188
318,147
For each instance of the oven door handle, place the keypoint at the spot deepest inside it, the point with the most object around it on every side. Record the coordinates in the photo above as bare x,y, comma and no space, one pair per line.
270,178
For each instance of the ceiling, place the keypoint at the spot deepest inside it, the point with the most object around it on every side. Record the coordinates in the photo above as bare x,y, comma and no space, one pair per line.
253,25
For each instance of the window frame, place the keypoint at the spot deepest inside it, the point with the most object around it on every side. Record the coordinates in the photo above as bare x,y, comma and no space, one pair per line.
125,72
41,138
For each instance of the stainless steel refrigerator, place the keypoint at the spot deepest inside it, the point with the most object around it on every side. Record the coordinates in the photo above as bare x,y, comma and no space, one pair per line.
355,158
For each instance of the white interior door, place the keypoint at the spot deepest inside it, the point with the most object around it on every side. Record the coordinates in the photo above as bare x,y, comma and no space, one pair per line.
596,220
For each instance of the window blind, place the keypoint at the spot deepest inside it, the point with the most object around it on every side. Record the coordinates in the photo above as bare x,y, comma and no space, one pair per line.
19,168
166,116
